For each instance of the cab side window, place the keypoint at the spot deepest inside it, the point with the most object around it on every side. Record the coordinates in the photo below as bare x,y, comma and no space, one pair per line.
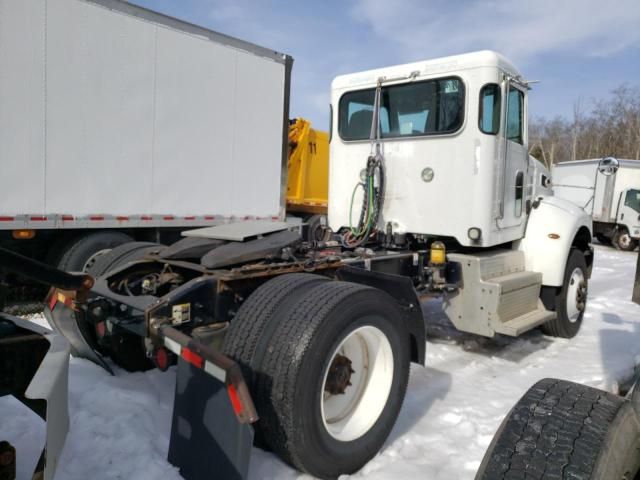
515,107
489,120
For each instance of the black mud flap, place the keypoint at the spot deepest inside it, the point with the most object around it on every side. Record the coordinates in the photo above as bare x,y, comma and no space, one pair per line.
66,322
207,440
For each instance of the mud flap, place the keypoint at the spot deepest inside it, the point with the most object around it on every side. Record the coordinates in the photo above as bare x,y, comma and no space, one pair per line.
207,440
65,321
34,368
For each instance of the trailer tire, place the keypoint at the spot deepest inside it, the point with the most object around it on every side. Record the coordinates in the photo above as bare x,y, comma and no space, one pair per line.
125,349
122,254
561,429
84,251
622,241
318,410
569,297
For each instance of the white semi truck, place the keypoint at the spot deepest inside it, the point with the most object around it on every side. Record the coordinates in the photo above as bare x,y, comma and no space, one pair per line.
118,124
307,343
608,189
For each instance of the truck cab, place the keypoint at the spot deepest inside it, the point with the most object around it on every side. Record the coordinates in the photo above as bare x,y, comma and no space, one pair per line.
452,133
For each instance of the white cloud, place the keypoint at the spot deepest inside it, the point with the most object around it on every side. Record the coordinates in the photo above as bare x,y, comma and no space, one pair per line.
519,29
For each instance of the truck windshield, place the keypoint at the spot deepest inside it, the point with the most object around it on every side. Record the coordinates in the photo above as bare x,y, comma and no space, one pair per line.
632,200
414,109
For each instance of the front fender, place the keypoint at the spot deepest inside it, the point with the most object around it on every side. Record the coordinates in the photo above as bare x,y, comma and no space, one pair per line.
552,229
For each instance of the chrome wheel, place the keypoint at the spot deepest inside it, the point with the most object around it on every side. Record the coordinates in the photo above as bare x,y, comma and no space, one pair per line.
576,295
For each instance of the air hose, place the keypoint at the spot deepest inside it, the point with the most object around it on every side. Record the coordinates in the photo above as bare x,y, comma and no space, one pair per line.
372,185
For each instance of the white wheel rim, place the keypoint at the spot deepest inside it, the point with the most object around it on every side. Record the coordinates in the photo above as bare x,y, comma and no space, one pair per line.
349,415
92,259
625,240
575,293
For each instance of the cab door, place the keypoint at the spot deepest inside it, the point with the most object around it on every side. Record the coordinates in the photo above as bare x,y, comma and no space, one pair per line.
516,158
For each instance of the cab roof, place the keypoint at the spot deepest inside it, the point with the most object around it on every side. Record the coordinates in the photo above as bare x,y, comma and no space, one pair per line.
454,63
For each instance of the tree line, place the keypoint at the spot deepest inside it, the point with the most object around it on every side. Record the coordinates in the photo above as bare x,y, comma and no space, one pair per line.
598,128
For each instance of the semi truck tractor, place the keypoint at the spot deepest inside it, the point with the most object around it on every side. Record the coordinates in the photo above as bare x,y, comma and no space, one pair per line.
608,189
304,344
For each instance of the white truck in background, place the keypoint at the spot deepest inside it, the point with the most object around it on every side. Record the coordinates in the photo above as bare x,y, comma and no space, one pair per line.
608,189
119,124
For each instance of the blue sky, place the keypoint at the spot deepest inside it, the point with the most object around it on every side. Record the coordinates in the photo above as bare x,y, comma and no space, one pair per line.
579,49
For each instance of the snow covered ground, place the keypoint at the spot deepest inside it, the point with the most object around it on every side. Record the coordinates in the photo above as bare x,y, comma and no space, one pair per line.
120,425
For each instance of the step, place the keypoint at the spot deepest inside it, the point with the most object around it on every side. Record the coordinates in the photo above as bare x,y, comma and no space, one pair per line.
525,322
517,281
495,263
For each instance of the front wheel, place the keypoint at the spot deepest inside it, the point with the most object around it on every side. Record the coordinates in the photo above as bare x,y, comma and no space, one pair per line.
571,298
623,241
334,378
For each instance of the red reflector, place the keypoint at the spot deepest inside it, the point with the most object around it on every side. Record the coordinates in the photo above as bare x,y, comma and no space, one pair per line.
122,218
189,218
235,399
7,219
192,357
96,218
168,217
53,299
161,359
101,329
38,219
209,217
66,218
275,218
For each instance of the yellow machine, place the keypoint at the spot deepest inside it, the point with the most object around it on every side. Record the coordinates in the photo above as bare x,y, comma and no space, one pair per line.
308,181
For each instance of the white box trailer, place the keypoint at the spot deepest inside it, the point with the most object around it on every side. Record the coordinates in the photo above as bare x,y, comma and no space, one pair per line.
607,189
117,122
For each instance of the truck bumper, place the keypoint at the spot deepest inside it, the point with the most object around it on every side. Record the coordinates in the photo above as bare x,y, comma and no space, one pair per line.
34,368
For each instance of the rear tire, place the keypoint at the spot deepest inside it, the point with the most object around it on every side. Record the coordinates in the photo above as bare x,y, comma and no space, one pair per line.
561,429
571,298
603,239
251,328
80,255
333,378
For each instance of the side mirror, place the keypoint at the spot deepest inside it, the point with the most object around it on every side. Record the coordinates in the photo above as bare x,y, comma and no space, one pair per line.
608,166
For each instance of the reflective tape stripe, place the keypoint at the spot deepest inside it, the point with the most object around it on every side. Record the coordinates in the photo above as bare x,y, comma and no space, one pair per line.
172,345
215,371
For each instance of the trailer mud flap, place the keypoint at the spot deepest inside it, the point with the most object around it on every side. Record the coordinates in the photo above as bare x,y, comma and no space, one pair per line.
65,321
207,440
34,368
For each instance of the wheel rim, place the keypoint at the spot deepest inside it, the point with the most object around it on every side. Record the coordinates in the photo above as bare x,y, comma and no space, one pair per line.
356,384
576,295
92,259
624,240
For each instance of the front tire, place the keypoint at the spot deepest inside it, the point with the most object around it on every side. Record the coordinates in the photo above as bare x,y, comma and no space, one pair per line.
333,378
571,298
623,241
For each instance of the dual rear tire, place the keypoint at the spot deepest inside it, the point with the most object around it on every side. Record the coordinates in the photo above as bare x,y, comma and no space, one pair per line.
327,364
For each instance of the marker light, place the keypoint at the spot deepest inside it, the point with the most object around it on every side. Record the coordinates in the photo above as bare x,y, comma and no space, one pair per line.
23,234
438,254
474,234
